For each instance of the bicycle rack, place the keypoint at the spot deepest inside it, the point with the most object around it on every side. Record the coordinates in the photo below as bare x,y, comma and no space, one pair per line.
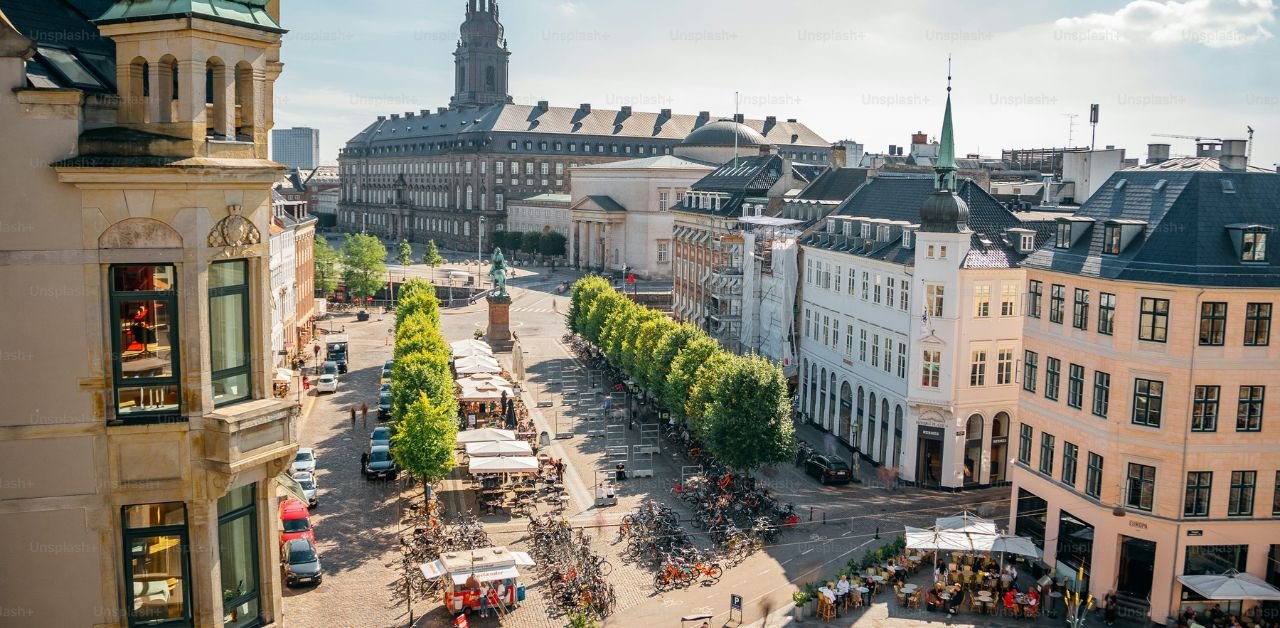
689,471
641,461
565,426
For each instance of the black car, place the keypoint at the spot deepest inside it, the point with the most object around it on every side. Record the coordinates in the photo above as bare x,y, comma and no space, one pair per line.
827,469
301,562
380,464
384,406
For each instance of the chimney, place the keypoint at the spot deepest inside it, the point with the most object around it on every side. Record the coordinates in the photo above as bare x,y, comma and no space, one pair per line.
839,156
788,172
1208,149
703,117
626,111
1157,153
409,114
395,116
585,107
739,117
666,113
919,137
1234,155
424,112
766,150
543,105
893,149
382,118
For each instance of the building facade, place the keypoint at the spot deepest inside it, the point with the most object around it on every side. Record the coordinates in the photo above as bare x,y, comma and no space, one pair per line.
141,443
1146,450
297,148
433,174
542,213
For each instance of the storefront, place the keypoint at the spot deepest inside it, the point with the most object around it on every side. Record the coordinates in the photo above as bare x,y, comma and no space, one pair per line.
999,448
1032,517
929,450
1205,560
973,433
1074,551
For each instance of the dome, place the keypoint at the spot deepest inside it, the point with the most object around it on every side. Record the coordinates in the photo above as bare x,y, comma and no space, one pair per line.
944,212
722,133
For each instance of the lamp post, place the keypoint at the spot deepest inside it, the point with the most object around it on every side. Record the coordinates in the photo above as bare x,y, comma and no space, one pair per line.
479,253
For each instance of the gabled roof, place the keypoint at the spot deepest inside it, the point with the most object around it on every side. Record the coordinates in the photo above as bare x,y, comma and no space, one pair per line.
1186,240
599,202
743,175
661,162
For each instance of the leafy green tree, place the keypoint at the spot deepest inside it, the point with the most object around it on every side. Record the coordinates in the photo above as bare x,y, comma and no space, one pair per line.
747,421
651,332
615,330
431,257
684,371
601,308
529,242
326,266
419,374
417,295
553,244
585,292
404,254
364,264
628,356
424,439
664,356
706,385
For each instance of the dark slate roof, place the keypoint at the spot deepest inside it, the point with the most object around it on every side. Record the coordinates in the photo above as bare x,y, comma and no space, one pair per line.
745,174
607,203
835,184
898,197
725,133
571,122
1186,240
71,53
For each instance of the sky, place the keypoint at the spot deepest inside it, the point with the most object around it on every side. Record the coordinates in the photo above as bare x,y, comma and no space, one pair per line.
849,69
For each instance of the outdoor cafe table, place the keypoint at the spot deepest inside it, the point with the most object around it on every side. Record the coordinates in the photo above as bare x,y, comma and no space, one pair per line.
908,588
984,598
866,595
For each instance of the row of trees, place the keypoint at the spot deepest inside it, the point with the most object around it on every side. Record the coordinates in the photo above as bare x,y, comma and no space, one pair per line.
550,243
738,406
423,405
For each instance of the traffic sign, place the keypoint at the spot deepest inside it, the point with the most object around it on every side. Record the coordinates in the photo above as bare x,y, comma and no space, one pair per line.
735,602
631,278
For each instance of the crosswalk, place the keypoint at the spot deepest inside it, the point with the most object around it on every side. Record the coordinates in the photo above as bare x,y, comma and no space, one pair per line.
534,310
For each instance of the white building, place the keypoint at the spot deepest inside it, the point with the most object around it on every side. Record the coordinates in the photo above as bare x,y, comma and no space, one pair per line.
283,268
544,212
910,320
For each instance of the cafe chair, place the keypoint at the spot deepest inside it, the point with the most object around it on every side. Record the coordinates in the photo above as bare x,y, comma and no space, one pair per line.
1031,612
1011,610
826,610
914,600
902,597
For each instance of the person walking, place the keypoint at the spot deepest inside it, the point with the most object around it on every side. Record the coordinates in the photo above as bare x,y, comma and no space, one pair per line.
353,417
364,461
364,412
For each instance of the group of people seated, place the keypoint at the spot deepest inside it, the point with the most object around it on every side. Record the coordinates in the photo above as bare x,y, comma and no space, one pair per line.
1215,616
841,593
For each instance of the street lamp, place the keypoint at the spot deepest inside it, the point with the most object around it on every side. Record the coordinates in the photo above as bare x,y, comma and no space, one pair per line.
480,253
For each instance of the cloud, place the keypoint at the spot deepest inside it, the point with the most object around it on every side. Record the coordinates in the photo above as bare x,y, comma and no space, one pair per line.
1210,23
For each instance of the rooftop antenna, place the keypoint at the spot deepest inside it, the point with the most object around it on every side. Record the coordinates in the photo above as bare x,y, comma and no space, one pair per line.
735,134
1071,126
1093,121
1249,155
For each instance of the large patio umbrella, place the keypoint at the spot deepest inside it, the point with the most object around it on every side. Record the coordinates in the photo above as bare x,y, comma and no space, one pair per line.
1020,545
476,364
1231,585
484,435
966,522
482,387
514,464
499,448
467,348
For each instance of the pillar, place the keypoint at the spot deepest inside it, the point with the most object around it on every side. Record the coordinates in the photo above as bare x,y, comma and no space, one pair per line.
608,245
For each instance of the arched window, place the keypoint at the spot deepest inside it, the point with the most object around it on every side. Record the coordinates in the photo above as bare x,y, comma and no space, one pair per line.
246,102
973,450
831,401
999,447
884,431
220,124
466,229
167,94
846,412
871,425
822,400
471,194
858,422
813,393
897,436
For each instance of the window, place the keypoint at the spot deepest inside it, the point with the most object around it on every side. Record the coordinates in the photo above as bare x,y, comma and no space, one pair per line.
1057,301
1249,410
664,203
978,369
1064,235
826,332
848,340
156,565
1046,453
1004,367
1275,500
1240,499
862,346
559,169
1213,324
942,251
866,285
877,289
238,555
1154,323
499,201
1093,476
1075,386
1101,393
1080,309
1199,486
875,350
982,301
1052,376
839,274
1070,458
144,308
1147,402
229,337
1111,240
808,323
1028,241
1008,300
1024,443
935,296
664,251
891,292
1141,486
852,281
902,360
1030,362
888,355
932,369
1254,247
1033,298
1204,409
1257,324
1106,313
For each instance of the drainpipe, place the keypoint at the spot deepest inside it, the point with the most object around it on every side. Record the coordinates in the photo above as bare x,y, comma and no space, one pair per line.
1186,437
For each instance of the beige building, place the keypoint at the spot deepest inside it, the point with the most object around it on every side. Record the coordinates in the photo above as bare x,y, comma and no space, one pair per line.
140,442
1145,451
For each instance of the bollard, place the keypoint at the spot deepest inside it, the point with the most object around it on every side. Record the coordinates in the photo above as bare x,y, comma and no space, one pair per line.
877,533
824,517
811,513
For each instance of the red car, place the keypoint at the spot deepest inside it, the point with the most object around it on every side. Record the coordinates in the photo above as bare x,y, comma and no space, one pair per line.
294,521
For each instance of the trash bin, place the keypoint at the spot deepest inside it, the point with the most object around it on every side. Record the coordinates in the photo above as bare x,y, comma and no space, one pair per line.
544,439
520,593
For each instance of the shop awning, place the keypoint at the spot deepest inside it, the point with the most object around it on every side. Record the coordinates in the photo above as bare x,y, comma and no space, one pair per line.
487,575
1231,585
432,570
284,375
514,464
289,486
484,435
499,448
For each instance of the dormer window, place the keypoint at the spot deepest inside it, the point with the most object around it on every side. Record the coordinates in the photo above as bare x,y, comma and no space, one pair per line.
1028,242
883,233
1254,246
1064,235
1111,242
866,230
906,238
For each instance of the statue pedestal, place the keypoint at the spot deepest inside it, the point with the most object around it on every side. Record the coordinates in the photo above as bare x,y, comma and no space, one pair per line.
499,331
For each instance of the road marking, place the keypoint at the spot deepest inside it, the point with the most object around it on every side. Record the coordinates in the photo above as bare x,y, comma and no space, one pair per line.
806,551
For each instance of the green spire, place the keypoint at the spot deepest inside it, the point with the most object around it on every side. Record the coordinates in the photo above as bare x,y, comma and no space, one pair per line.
945,169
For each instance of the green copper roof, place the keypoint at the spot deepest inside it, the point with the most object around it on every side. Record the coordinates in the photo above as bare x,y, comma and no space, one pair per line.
946,164
251,13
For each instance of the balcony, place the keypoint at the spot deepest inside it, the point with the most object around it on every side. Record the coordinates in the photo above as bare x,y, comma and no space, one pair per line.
249,434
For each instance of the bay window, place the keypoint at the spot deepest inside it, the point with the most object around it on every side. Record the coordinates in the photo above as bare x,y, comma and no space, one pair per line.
229,354
144,333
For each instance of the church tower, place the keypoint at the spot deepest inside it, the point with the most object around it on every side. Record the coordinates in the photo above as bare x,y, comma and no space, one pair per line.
482,58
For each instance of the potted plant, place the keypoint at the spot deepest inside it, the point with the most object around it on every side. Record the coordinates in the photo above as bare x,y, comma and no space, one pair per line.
811,604
801,599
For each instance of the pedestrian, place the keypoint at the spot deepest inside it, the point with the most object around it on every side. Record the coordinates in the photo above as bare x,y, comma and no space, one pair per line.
1110,608
364,412
560,471
364,461
353,417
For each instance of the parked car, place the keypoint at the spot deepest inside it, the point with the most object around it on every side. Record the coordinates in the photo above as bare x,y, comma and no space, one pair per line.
301,563
380,464
327,383
295,522
827,469
331,368
381,436
304,461
308,483
384,406
384,387
388,364
362,315
385,377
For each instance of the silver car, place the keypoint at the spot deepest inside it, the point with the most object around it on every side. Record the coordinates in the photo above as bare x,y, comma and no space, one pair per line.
308,483
304,461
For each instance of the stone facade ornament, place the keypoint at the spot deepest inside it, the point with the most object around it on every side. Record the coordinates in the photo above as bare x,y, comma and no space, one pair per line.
235,233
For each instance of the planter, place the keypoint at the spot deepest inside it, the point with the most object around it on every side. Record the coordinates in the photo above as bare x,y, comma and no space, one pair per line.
810,608
797,613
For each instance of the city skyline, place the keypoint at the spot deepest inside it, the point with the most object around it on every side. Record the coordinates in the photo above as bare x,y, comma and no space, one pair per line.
1191,68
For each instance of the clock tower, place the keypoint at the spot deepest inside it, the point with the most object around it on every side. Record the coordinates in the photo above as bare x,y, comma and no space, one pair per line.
480,63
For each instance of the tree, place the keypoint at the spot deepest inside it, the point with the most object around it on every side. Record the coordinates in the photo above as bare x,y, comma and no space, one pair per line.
364,264
684,371
652,332
585,292
706,385
424,440
664,355
326,266
629,355
529,242
748,420
553,244
601,308
404,254
431,257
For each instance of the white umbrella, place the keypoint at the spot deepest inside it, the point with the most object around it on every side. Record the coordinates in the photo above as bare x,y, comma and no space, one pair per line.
967,522
483,435
283,375
499,448
520,464
476,364
1231,585
466,348
1015,545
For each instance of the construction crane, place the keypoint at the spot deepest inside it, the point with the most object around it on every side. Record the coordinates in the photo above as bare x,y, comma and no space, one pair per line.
1197,138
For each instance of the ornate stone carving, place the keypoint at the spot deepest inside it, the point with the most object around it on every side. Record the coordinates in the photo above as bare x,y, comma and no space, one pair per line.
235,233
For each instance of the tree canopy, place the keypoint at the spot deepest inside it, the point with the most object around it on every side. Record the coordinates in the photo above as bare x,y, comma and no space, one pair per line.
326,266
364,264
